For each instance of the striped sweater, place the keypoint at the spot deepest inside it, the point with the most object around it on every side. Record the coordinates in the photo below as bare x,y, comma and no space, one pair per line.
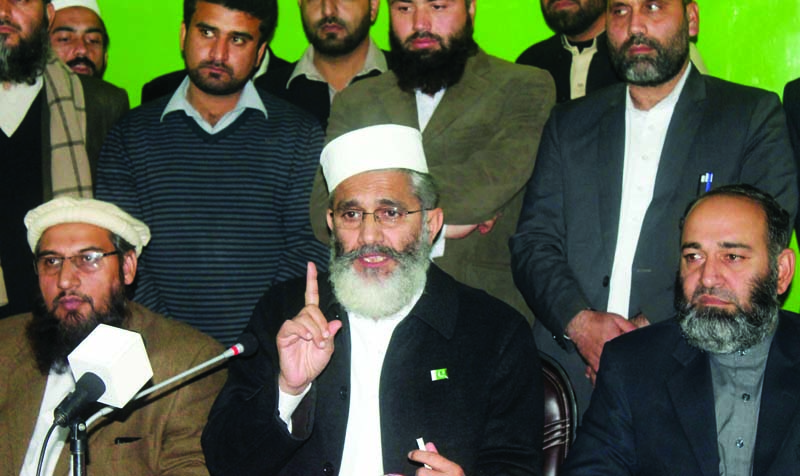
228,212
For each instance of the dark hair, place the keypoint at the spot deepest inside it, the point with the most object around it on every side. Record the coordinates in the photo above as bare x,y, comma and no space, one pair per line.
779,228
264,10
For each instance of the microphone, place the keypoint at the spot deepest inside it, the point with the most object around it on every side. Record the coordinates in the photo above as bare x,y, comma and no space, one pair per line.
246,346
118,357
87,390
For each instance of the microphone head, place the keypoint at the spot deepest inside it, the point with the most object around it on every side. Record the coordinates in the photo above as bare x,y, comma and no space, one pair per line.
88,389
247,345
118,357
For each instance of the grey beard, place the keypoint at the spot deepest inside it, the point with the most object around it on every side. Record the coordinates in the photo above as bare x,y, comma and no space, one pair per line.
25,62
378,296
646,71
721,332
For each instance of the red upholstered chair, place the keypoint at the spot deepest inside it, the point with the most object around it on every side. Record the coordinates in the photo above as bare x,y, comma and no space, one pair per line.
560,415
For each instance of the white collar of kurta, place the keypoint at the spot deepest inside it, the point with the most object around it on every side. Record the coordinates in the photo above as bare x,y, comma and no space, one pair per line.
15,100
249,99
375,61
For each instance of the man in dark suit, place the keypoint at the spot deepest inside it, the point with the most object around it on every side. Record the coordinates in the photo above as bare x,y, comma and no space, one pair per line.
355,369
52,126
481,120
577,55
592,254
791,104
340,52
713,391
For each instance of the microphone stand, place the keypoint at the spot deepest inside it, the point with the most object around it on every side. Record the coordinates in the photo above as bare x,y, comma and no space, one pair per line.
78,446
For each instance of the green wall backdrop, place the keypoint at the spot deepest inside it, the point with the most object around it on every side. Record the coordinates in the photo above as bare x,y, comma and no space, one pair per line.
754,42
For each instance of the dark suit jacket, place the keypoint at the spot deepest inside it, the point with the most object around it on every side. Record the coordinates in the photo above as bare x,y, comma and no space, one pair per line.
105,104
167,425
564,246
551,55
166,84
487,416
653,412
480,145
791,104
309,95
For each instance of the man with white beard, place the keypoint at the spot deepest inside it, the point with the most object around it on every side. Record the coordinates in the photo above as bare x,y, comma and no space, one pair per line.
357,368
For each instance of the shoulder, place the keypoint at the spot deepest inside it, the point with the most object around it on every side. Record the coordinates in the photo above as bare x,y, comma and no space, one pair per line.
282,110
375,85
170,341
98,90
791,93
736,96
643,347
500,70
12,331
537,54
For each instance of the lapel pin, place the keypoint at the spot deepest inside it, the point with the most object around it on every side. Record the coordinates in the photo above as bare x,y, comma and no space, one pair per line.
438,374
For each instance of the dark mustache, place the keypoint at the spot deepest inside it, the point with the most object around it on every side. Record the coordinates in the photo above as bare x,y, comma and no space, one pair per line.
640,39
82,60
330,21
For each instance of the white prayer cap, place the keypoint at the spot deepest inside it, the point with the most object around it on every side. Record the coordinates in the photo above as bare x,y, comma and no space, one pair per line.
90,4
386,146
85,210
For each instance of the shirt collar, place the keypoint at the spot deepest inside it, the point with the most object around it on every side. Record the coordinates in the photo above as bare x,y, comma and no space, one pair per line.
375,61
574,49
15,102
249,99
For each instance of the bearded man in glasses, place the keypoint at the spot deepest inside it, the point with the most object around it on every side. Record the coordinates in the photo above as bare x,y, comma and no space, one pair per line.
85,254
358,368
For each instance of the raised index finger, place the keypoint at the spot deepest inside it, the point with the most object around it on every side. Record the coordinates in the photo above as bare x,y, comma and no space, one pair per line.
312,292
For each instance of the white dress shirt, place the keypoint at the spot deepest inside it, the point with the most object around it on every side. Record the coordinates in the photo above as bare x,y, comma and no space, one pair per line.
15,100
579,70
645,132
58,386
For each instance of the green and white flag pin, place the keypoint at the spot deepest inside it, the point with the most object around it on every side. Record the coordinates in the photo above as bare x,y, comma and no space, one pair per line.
438,374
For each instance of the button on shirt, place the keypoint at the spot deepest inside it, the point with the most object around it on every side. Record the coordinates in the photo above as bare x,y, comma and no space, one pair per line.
737,380
579,71
645,133
248,99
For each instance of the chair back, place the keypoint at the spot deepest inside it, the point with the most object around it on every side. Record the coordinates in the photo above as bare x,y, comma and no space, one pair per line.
560,415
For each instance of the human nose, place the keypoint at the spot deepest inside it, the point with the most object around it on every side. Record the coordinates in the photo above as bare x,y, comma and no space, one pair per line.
710,273
68,277
5,8
371,230
422,20
219,51
636,23
329,8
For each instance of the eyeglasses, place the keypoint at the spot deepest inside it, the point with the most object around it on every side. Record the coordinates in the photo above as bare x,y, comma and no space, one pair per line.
88,262
388,217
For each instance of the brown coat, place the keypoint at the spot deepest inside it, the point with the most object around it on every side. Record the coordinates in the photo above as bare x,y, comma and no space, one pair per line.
480,145
169,423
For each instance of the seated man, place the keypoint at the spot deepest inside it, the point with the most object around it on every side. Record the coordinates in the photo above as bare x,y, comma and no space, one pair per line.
386,350
86,255
713,391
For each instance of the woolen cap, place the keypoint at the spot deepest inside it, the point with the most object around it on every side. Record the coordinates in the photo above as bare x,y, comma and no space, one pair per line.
86,210
385,146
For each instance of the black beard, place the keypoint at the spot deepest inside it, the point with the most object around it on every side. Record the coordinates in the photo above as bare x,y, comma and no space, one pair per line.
431,71
334,47
652,71
719,331
571,24
52,340
26,61
216,88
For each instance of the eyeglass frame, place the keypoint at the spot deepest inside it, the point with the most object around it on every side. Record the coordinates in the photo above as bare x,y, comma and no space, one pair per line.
98,256
378,221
